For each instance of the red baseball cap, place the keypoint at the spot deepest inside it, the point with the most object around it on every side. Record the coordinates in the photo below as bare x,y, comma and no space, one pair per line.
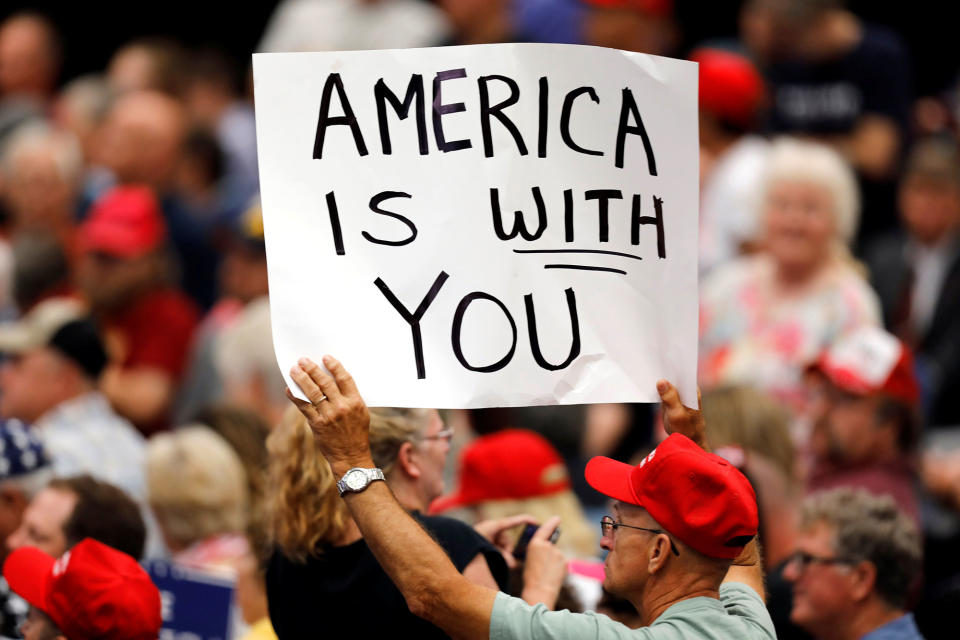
869,360
91,591
125,222
696,496
731,88
509,464
661,8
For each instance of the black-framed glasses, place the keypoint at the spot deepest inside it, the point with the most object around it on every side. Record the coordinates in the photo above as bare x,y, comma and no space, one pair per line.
609,525
802,560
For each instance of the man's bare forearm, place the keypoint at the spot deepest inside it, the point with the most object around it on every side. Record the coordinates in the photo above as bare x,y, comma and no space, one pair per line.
431,585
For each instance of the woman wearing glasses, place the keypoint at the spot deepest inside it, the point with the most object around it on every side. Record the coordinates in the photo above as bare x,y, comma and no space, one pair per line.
321,571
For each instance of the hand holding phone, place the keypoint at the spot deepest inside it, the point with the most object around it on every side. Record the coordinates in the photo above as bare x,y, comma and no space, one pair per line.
520,550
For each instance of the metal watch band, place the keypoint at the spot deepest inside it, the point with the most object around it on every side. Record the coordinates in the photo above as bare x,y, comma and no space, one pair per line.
369,475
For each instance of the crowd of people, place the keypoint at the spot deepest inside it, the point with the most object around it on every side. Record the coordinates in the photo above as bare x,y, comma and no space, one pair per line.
814,493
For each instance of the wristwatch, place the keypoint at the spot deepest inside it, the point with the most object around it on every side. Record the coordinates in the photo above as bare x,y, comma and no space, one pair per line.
357,479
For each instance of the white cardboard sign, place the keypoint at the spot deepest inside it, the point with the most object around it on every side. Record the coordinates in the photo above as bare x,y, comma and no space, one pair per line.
494,225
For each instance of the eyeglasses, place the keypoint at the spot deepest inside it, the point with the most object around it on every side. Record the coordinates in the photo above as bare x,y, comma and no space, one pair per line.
802,560
609,525
446,434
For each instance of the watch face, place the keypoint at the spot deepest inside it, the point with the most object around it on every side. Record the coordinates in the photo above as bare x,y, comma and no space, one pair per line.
355,480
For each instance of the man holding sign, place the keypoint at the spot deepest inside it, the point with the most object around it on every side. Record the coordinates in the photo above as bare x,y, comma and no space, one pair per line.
681,541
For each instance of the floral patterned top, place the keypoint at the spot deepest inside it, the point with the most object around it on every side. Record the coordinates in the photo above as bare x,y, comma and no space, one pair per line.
752,333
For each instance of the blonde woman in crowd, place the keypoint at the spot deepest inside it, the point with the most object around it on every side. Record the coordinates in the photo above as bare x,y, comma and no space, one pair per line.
198,492
321,569
763,318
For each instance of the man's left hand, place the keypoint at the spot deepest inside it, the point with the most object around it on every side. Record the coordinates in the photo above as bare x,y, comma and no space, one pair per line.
335,412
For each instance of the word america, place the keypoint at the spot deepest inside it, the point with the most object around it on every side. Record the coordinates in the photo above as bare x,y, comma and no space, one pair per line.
629,124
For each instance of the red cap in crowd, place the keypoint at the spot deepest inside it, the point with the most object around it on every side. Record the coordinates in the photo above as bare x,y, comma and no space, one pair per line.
509,464
696,496
91,591
125,222
659,8
730,86
869,360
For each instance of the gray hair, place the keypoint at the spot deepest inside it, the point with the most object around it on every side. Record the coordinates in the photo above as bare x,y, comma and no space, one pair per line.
797,160
870,528
37,137
89,96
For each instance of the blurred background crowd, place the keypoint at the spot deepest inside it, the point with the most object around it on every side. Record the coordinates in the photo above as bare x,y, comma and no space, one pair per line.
141,403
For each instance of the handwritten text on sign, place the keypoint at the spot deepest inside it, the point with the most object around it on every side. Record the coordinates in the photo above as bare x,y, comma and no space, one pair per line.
494,225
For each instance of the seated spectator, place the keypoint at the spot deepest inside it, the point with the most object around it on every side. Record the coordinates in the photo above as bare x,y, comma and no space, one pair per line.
848,82
321,566
148,324
213,97
80,107
24,472
865,420
142,143
42,169
515,472
916,273
29,66
764,317
91,592
857,561
732,156
71,509
198,491
147,64
55,358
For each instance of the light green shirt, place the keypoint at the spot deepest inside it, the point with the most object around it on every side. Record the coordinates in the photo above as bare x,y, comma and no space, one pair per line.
739,614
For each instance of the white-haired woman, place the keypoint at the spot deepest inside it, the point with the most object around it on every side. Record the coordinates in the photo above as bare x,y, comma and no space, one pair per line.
764,318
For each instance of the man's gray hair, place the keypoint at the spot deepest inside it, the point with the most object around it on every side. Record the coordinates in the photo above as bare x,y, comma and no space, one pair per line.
871,528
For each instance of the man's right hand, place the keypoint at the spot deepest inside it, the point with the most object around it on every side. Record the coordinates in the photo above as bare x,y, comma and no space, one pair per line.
335,412
679,419
545,567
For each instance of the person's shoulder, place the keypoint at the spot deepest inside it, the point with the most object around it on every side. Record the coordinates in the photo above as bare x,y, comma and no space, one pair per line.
743,602
512,618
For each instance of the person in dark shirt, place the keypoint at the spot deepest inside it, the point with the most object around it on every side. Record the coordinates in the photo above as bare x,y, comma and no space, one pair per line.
843,81
321,570
916,273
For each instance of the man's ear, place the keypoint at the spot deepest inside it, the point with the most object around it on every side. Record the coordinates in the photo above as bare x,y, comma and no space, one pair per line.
657,554
405,461
864,577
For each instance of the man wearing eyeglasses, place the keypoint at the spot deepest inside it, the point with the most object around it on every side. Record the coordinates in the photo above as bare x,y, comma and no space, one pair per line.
680,539
857,558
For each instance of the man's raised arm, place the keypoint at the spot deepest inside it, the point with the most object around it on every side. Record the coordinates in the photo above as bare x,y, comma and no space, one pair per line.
747,568
431,585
